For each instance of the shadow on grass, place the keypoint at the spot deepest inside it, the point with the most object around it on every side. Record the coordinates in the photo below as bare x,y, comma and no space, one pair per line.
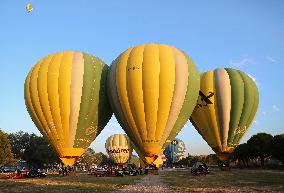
56,184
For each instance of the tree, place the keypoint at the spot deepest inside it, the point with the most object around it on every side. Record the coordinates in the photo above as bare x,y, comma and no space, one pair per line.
183,161
20,141
260,144
212,159
106,160
39,152
192,160
242,152
277,147
32,148
89,158
6,155
98,158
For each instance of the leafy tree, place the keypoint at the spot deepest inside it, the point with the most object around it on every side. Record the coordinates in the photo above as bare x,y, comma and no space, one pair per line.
192,160
39,152
106,160
32,148
242,152
6,155
20,141
212,159
98,158
277,147
89,158
260,144
183,161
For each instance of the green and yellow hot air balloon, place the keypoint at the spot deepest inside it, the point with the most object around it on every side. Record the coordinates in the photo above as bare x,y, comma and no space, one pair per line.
135,160
65,94
226,108
118,147
153,89
29,7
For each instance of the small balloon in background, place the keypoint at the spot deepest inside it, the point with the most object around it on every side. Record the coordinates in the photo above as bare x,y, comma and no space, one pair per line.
29,7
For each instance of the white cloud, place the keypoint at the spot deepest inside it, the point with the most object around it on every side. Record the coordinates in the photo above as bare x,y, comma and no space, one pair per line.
241,62
271,59
264,112
256,122
275,108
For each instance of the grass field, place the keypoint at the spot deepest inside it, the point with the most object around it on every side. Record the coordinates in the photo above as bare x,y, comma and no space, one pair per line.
58,184
241,180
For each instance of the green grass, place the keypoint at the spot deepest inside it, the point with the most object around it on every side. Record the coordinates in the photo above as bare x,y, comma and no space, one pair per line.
57,184
228,181
241,180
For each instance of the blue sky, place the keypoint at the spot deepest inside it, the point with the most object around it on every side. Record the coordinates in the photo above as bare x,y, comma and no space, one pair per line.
247,35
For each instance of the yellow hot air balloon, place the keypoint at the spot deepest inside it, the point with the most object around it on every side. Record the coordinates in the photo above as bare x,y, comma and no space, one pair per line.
153,89
158,162
66,99
226,108
29,7
118,147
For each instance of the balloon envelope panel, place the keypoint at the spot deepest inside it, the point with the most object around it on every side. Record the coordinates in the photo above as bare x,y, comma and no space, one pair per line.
226,107
153,89
65,95
118,147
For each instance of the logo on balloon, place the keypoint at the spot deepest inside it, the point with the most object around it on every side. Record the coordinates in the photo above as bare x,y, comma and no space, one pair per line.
90,130
174,142
240,130
118,150
205,100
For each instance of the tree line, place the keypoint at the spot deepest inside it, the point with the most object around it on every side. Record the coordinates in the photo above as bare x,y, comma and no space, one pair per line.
37,152
260,149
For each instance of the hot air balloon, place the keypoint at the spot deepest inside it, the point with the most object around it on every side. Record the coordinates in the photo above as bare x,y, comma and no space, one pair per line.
158,162
135,160
118,147
175,151
65,95
226,108
153,89
29,7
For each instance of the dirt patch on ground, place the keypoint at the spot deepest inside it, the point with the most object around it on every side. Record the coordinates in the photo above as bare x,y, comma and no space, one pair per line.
148,184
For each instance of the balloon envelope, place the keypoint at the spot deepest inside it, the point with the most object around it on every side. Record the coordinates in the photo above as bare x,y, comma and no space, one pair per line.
135,160
225,109
153,89
158,162
118,147
66,99
175,151
29,7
